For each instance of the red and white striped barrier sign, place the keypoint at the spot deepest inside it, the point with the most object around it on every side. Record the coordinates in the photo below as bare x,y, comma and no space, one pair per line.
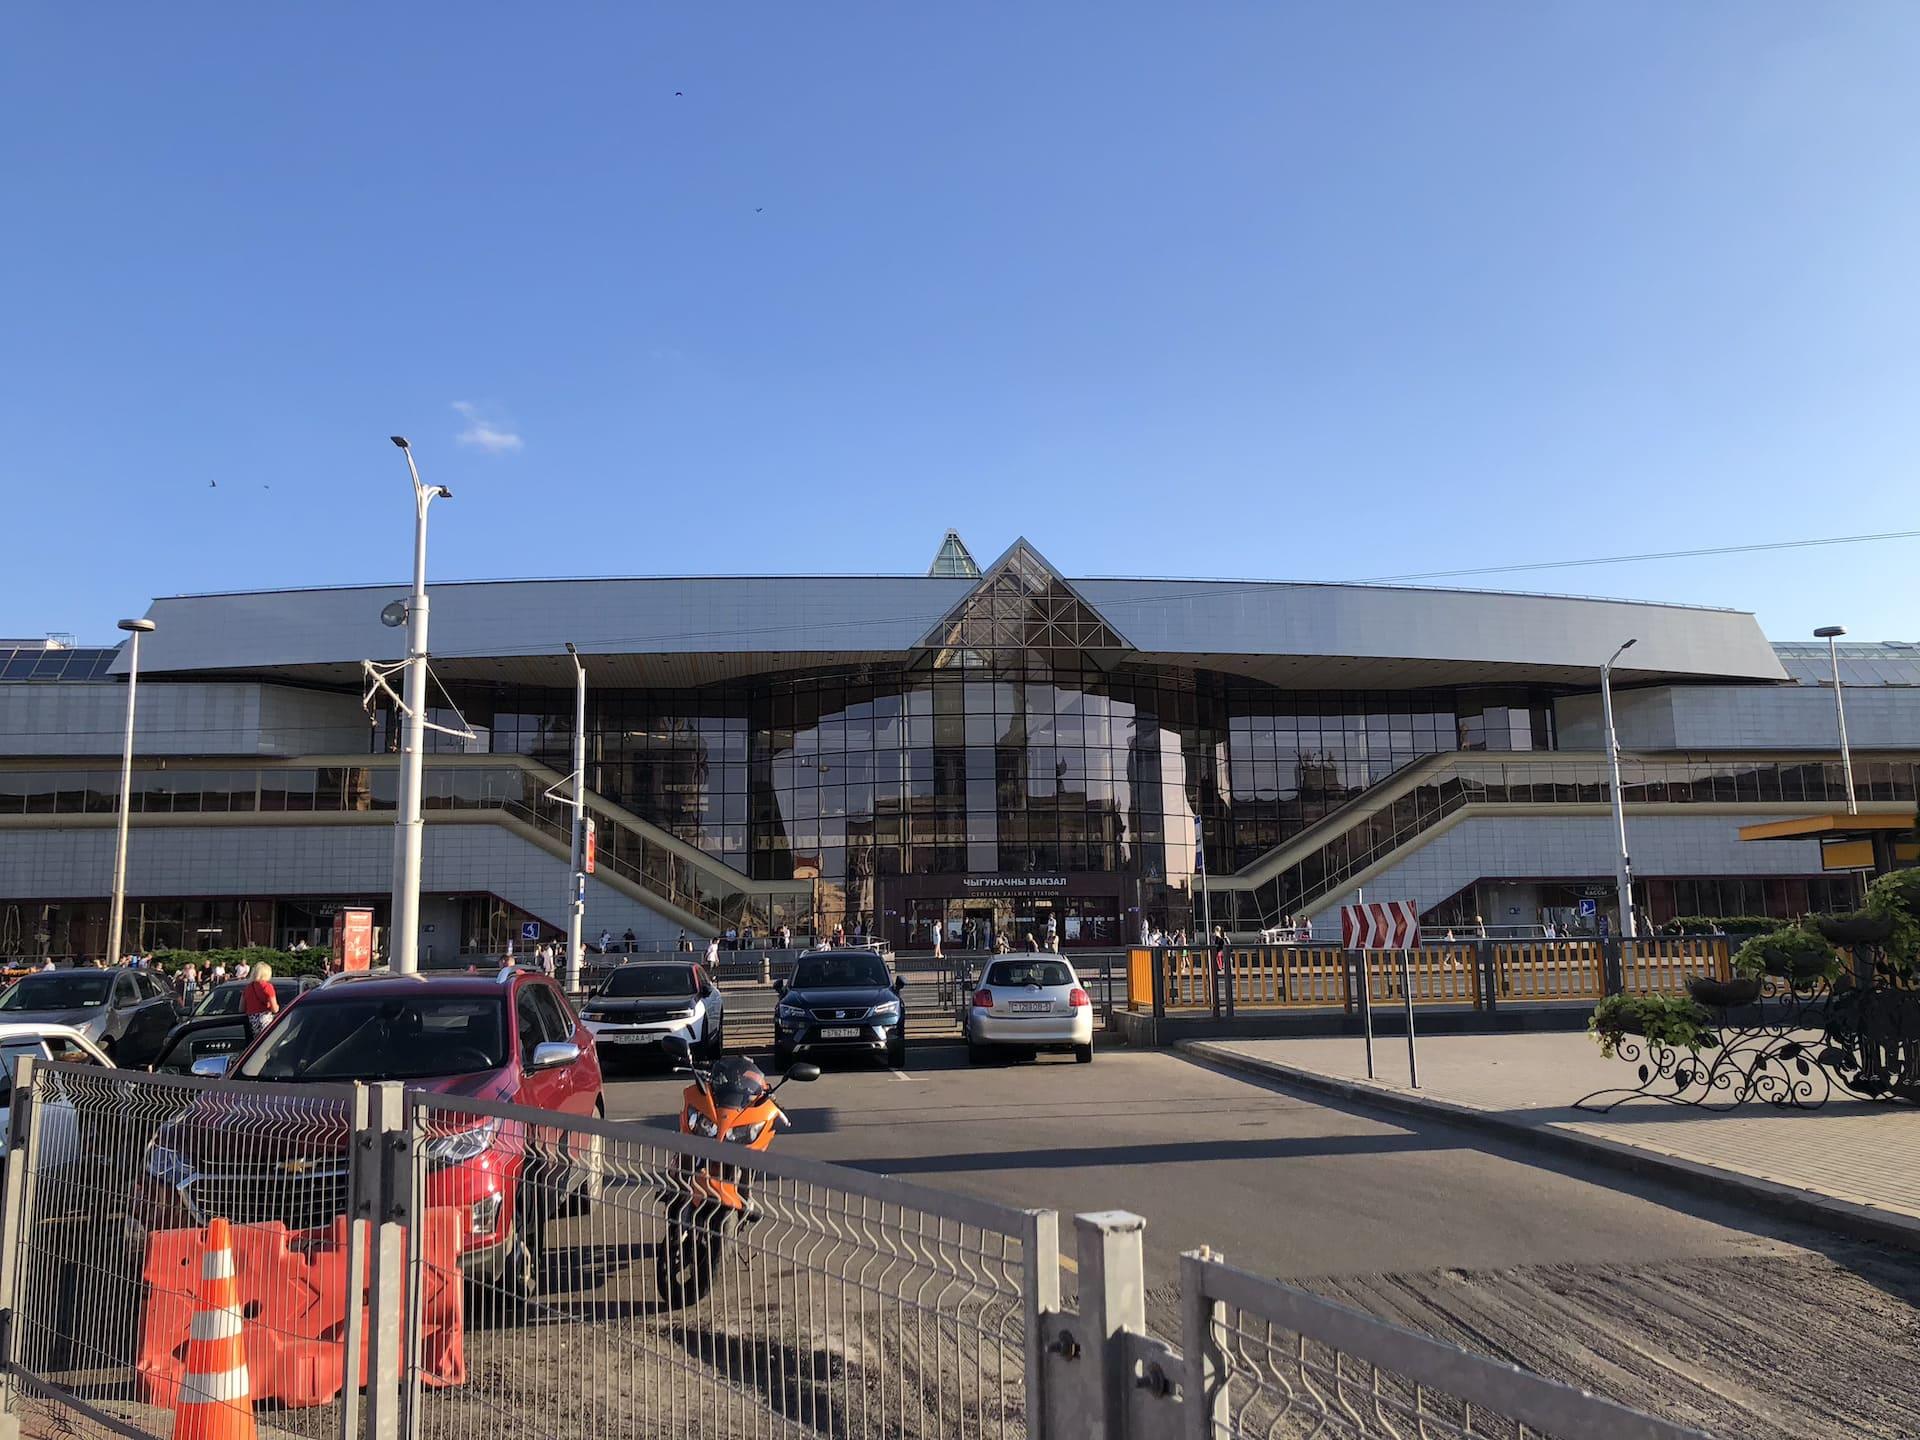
1380,925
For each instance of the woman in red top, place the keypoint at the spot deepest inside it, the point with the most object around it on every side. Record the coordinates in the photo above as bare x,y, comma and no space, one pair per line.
258,1003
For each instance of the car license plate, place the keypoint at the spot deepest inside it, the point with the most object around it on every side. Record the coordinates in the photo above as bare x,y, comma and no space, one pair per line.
628,1039
1031,1007
841,1032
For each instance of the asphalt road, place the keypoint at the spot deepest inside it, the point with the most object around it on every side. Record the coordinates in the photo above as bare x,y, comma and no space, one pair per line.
1744,1325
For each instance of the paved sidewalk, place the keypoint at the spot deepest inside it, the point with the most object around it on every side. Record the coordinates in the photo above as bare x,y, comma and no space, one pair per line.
1851,1163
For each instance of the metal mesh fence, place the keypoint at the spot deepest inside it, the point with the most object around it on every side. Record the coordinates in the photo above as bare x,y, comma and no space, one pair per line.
119,1174
1277,1363
644,1283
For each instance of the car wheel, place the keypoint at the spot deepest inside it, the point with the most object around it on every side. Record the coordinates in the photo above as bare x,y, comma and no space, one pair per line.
897,1050
714,1043
976,1052
1083,1054
782,1057
524,1265
590,1168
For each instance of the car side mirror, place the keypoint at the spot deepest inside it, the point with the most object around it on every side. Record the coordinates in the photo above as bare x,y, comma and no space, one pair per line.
779,987
550,1053
211,1067
899,983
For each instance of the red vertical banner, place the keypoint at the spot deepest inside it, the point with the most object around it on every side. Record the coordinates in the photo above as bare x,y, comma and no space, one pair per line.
353,939
590,850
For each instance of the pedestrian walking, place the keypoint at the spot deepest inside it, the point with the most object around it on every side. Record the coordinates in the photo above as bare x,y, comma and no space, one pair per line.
606,941
713,954
258,1003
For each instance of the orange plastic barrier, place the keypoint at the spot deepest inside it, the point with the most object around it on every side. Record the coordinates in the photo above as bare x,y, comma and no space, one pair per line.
292,1295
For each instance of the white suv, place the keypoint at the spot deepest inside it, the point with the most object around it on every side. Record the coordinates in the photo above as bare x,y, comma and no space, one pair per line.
1030,1002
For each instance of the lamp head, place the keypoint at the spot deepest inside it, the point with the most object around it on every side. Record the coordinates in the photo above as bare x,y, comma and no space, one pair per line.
394,615
137,627
570,649
1630,644
1829,632
399,440
443,492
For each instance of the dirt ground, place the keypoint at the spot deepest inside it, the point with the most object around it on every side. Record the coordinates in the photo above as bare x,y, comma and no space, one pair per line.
1764,1347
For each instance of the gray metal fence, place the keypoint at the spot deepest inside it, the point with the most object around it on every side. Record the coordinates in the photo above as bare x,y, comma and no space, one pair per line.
540,1273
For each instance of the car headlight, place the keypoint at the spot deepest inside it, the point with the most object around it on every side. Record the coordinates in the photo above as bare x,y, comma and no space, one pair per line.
462,1145
746,1134
887,1010
699,1123
593,1014
789,1014
94,1028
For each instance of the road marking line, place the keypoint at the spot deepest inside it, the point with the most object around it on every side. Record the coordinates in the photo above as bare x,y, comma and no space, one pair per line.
898,1074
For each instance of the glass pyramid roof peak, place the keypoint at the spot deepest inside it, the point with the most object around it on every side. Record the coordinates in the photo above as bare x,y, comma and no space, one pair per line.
1022,605
954,561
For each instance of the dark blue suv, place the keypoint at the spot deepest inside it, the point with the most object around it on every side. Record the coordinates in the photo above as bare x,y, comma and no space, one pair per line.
840,1002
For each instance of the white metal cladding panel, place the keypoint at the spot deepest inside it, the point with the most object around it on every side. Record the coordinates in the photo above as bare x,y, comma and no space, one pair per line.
1575,846
1224,617
240,860
1744,717
738,615
751,615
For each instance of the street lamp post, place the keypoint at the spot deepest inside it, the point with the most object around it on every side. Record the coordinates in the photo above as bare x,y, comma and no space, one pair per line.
403,925
1831,634
1623,870
577,898
134,628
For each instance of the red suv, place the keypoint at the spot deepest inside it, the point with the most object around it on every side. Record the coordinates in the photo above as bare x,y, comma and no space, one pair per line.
510,1037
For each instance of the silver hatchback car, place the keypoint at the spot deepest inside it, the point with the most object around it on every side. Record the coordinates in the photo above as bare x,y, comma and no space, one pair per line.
1030,1002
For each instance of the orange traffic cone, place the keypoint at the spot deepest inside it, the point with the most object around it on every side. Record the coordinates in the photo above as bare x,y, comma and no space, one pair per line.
214,1403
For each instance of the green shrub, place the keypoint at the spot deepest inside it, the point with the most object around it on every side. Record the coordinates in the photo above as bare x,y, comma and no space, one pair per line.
284,962
1896,895
1793,953
1670,1020
1719,925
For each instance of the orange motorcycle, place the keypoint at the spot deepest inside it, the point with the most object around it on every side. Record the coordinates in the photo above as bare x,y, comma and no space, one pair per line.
730,1100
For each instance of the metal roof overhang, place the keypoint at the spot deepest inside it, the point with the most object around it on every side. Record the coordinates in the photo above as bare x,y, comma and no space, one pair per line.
695,670
1808,827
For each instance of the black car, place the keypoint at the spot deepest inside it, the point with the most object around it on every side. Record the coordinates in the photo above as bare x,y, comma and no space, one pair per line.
126,1012
203,1035
224,998
840,1002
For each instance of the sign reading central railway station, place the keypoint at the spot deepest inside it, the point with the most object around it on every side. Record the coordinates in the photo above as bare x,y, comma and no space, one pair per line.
1012,884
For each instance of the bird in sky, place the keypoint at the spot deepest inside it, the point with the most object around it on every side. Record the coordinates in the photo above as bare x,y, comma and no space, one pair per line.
213,484
678,93
759,209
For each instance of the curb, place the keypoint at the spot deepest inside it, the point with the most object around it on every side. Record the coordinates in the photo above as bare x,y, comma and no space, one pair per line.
1846,1217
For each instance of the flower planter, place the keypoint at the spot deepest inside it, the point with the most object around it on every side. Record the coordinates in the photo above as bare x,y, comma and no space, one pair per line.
1721,994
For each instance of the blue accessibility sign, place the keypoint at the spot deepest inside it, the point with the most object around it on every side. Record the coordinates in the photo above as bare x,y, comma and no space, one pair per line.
1589,909
530,930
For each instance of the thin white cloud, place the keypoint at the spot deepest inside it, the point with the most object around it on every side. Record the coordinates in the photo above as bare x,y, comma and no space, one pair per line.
482,432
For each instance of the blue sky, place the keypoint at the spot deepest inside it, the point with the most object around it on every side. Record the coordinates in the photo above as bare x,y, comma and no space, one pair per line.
1281,290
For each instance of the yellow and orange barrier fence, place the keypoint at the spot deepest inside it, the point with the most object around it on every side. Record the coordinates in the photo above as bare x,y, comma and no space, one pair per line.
1663,964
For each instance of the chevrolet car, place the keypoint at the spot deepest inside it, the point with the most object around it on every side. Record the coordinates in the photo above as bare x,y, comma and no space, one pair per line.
275,1155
